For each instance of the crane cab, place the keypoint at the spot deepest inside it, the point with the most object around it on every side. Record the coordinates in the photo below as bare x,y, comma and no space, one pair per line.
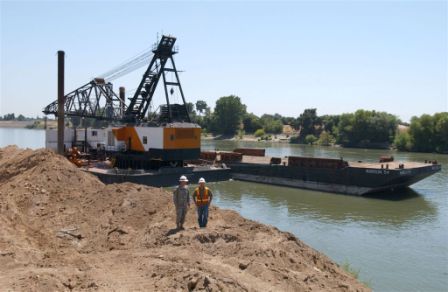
152,147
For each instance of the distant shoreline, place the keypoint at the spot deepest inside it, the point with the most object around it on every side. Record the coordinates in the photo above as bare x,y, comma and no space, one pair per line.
16,124
28,124
275,138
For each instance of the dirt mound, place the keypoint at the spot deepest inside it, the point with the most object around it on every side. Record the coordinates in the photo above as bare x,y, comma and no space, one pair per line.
62,229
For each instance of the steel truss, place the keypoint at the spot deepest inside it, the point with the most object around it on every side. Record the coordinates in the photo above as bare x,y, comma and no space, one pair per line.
95,99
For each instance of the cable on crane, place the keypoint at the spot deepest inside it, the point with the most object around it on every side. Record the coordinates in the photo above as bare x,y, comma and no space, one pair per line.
129,65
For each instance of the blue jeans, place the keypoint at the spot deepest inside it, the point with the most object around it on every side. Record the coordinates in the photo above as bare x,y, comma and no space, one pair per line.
202,215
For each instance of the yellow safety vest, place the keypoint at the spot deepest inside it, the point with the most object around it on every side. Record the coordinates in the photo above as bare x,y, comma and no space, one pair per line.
201,201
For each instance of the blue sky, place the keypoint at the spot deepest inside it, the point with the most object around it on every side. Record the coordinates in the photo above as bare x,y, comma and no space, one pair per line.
279,57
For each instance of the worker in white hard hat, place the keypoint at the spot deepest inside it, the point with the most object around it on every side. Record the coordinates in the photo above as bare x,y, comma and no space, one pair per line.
181,198
202,197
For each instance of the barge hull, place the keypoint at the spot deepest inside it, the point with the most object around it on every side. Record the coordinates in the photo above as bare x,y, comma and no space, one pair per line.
348,180
310,185
164,179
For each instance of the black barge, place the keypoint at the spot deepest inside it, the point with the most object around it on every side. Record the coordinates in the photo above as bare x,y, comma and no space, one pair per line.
162,177
332,175
321,174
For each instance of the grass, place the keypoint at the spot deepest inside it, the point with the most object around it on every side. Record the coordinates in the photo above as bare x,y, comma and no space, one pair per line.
355,273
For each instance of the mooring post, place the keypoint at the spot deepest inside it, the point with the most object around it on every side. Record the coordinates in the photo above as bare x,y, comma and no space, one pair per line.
61,102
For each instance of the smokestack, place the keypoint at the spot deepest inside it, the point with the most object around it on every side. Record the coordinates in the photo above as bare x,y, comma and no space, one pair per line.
61,102
122,97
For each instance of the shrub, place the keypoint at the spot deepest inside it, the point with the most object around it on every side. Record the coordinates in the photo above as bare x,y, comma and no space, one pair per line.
310,139
259,133
326,139
294,139
403,141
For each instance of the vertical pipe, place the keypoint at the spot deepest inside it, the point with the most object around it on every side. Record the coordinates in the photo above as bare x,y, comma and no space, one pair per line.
122,98
61,102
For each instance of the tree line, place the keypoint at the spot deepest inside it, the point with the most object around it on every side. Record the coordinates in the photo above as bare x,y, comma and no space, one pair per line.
427,133
363,128
13,117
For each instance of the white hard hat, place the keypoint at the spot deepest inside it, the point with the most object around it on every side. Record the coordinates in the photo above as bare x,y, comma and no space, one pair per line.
201,180
183,178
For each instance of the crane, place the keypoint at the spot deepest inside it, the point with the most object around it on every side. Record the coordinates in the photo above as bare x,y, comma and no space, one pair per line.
167,140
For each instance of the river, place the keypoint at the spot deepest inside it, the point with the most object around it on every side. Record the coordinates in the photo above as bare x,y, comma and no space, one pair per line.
398,242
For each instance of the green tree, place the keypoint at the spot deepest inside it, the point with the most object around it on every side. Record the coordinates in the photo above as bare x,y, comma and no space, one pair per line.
259,133
402,141
272,123
429,133
344,129
201,106
288,120
9,117
251,123
422,133
191,112
228,114
307,123
310,139
326,139
441,132
329,122
366,128
274,127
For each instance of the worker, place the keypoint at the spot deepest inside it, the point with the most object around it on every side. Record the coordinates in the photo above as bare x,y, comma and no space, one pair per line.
202,197
181,198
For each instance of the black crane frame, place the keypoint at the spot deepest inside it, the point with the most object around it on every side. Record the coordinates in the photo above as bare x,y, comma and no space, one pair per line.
86,101
157,69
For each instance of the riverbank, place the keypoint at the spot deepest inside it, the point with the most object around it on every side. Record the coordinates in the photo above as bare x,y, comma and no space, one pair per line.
15,124
28,124
62,229
280,138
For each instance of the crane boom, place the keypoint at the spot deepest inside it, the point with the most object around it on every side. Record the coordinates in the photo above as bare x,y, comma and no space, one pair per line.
138,143
96,99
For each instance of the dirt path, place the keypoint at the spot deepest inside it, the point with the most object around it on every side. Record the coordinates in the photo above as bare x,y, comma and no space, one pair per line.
62,229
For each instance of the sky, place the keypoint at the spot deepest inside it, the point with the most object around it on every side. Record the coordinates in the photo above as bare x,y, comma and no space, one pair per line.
278,57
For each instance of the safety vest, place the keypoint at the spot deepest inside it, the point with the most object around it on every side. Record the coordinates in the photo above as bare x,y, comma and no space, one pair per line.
202,201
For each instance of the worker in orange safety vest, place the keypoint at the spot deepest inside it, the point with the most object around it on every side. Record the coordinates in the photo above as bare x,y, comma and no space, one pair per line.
202,197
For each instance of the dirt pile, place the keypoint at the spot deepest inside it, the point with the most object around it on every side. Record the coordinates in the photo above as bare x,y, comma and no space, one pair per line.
62,229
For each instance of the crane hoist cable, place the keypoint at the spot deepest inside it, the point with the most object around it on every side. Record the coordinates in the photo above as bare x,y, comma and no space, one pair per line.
128,66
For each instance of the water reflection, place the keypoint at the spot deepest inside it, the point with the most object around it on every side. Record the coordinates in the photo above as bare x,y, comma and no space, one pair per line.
400,208
397,195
